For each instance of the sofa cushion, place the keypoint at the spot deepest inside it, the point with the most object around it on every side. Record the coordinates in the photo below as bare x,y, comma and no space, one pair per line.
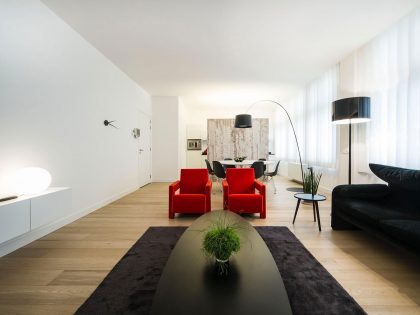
404,186
407,231
361,191
396,177
370,212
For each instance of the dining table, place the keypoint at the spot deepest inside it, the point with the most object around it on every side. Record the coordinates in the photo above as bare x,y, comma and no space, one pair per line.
244,163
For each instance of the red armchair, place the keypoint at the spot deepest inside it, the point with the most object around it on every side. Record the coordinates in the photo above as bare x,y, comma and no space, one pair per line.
239,192
194,195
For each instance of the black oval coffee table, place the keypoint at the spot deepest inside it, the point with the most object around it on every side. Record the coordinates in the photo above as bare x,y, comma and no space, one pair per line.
189,284
310,198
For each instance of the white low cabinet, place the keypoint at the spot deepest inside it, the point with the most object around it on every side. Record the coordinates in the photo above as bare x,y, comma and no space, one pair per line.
50,207
15,220
27,218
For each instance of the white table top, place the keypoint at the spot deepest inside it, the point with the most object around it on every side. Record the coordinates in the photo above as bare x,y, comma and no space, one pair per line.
244,162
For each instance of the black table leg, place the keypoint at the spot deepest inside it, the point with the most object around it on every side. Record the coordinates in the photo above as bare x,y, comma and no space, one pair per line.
313,208
317,214
296,211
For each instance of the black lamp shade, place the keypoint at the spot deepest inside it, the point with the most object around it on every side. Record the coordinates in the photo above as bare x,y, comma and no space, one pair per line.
243,121
351,109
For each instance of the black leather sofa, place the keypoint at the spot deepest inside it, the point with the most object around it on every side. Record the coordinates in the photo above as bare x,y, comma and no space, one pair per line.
391,212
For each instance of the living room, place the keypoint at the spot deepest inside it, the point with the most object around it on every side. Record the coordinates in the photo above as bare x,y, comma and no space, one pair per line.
113,113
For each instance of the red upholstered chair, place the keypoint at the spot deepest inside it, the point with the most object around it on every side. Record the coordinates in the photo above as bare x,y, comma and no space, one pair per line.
239,192
194,193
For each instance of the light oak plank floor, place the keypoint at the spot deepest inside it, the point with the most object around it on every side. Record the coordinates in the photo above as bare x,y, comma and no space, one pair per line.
54,275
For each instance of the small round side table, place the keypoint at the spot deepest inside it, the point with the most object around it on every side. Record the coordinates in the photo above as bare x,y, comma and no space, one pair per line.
311,198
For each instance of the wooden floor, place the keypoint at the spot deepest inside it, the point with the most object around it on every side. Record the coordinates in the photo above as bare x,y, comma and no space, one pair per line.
55,274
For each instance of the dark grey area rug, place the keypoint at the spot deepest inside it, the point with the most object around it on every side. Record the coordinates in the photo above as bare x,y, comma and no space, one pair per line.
130,286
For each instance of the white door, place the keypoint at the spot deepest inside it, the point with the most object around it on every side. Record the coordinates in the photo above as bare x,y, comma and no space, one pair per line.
145,150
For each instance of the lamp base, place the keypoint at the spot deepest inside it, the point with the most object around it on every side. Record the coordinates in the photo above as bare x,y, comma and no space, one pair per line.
295,189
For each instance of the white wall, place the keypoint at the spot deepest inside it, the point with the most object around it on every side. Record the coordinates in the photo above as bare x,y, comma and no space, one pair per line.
165,138
182,134
55,92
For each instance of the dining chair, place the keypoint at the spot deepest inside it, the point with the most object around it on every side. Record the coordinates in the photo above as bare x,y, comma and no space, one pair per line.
271,175
219,171
258,167
265,166
211,172
228,166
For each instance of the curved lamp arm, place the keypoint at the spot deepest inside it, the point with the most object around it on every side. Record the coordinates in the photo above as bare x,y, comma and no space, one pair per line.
291,124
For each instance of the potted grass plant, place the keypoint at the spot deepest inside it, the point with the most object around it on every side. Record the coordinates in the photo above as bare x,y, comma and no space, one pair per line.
220,241
311,181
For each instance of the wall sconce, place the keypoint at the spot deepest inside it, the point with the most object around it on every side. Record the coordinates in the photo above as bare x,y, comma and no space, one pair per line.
31,180
110,123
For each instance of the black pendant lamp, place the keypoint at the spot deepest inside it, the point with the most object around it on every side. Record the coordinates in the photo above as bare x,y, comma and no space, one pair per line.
243,121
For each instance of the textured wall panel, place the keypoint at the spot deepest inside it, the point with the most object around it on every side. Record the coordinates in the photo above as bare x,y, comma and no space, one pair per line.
225,141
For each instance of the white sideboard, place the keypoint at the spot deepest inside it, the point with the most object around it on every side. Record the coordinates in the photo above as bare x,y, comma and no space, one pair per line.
15,219
27,218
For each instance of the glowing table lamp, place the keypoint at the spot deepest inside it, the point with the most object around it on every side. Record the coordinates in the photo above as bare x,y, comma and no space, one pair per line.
31,180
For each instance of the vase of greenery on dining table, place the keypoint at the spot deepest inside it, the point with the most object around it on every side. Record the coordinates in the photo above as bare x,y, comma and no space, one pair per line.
239,158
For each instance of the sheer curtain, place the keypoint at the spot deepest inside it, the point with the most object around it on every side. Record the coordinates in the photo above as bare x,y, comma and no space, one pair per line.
285,144
311,113
388,70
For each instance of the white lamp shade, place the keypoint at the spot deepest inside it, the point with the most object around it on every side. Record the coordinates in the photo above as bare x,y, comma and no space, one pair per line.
31,180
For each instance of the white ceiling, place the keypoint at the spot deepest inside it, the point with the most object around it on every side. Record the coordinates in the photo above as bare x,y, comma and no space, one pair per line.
222,52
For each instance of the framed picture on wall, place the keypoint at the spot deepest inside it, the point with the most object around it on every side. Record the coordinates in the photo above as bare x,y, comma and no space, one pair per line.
193,144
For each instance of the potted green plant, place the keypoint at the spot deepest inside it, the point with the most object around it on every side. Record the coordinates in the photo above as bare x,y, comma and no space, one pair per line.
311,181
220,241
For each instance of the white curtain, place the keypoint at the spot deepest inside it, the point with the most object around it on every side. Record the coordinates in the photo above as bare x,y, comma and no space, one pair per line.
285,144
388,70
310,111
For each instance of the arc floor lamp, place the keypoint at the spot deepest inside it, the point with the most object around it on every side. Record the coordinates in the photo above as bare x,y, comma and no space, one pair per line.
245,121
351,110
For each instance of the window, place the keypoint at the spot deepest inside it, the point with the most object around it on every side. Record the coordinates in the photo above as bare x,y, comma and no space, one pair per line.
310,112
388,70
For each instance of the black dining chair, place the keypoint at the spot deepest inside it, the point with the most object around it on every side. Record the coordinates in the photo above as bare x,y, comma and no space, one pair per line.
228,166
258,167
272,174
219,172
265,166
209,169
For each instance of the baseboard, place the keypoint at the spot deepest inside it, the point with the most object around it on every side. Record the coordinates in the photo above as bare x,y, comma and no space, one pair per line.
25,239
107,201
325,188
320,188
294,180
160,180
